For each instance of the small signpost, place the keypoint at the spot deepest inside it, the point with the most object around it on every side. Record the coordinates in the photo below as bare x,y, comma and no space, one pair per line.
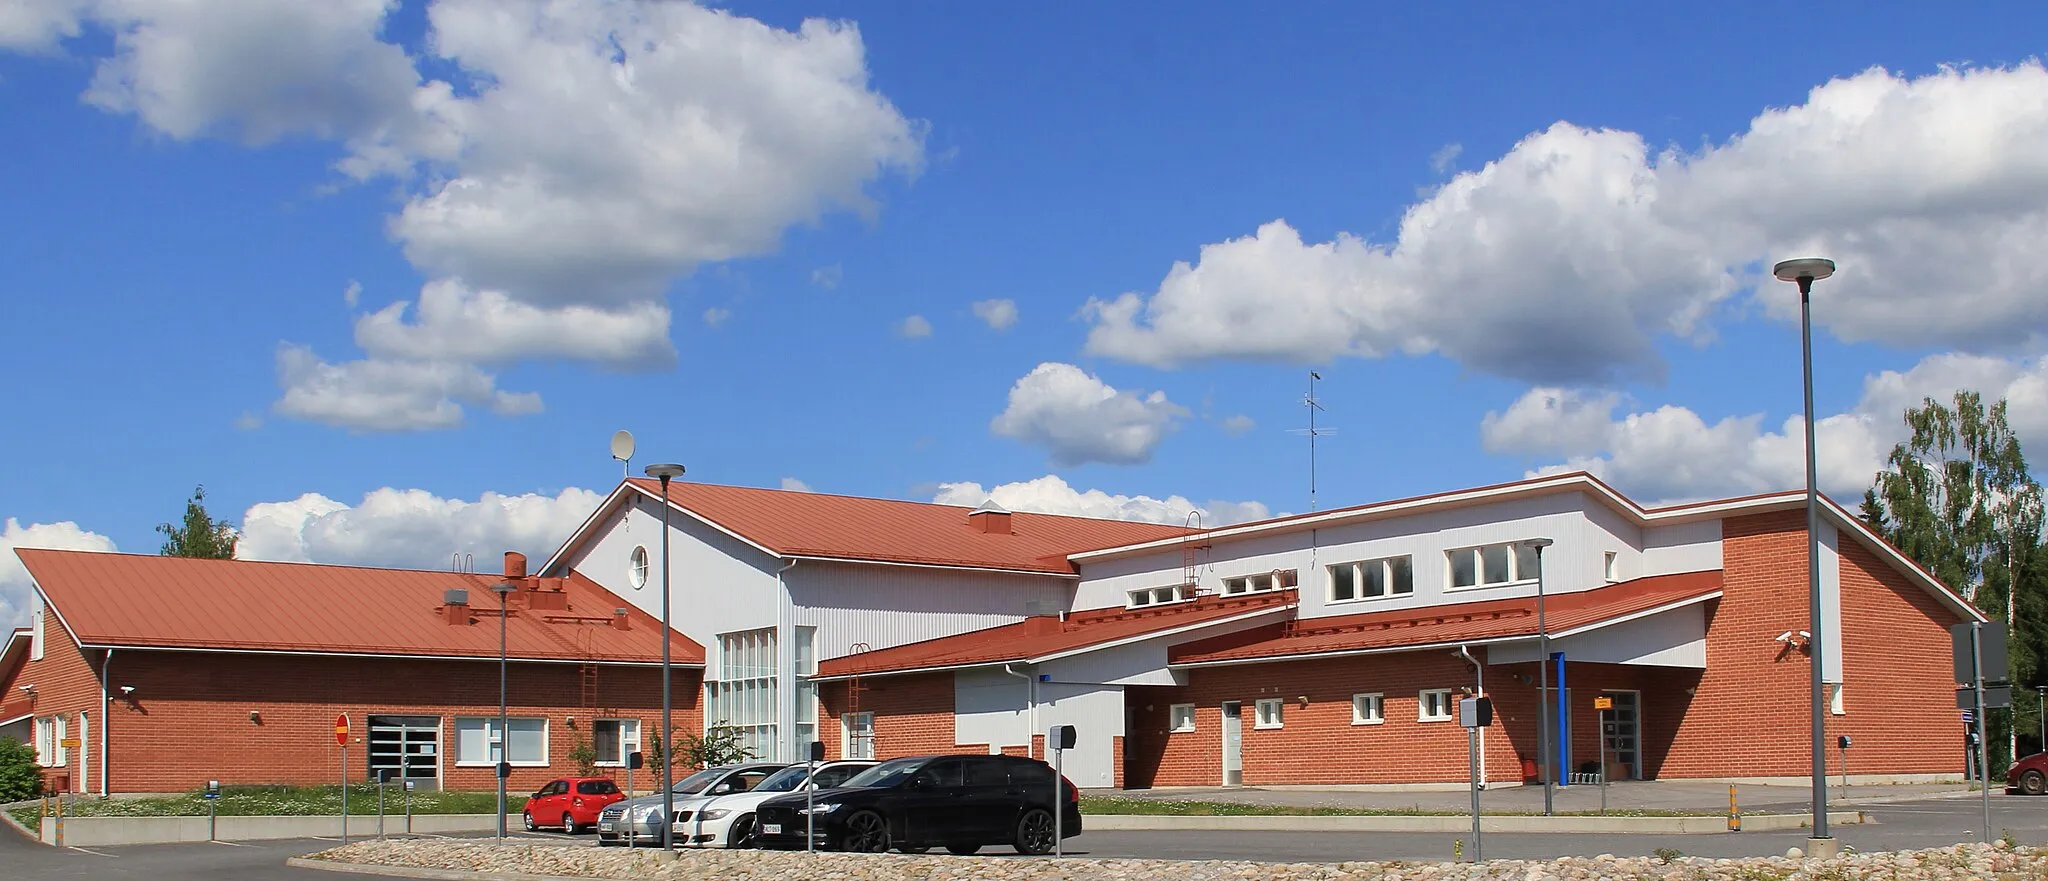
1979,655
1061,738
341,739
1475,713
817,754
212,796
1605,705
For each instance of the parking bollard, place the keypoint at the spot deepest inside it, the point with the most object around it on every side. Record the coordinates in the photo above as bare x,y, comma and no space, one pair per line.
1734,811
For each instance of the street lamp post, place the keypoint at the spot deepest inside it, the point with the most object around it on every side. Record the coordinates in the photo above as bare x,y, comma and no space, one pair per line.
666,473
1549,763
504,591
1805,272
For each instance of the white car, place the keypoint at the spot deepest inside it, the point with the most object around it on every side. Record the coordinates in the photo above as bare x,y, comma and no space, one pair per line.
728,820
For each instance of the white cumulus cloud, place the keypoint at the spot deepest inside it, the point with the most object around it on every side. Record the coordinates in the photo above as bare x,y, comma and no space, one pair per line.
1238,425
17,597
1565,260
412,528
792,484
1079,418
1671,453
997,314
1051,495
456,323
914,328
383,395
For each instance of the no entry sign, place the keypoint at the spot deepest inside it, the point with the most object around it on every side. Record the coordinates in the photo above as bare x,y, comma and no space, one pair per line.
341,729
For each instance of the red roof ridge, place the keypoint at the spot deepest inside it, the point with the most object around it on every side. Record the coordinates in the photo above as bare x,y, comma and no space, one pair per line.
481,578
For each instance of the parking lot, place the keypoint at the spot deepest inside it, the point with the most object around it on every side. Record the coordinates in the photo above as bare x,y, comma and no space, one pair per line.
1917,824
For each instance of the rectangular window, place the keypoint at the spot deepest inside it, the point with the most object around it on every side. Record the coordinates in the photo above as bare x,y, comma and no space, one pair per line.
1368,709
1180,717
1372,579
1277,579
1836,706
46,741
1152,596
857,735
1612,566
479,742
1434,705
614,739
403,747
746,693
35,637
1492,565
1270,713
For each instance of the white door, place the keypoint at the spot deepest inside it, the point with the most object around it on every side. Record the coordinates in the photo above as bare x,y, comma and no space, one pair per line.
1233,743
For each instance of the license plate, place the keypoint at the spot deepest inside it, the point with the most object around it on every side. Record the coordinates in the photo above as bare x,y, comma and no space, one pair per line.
604,827
771,828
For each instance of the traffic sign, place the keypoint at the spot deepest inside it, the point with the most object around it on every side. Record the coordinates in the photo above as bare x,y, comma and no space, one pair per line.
1995,696
1990,648
1603,703
68,743
341,729
1969,716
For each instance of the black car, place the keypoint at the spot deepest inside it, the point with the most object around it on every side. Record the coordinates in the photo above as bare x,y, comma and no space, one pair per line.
960,803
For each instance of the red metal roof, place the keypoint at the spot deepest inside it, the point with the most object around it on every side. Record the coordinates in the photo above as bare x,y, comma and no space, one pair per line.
1045,636
806,524
131,600
1464,622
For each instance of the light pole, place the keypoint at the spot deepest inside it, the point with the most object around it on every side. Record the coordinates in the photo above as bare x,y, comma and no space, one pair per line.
1805,272
666,473
504,591
2040,710
1549,763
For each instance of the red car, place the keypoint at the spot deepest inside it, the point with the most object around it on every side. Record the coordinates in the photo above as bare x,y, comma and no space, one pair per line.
2029,776
571,803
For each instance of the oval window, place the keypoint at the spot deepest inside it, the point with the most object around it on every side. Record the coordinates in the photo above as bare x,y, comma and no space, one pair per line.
638,570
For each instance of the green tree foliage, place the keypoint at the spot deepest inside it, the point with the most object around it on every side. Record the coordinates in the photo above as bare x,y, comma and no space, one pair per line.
721,745
584,756
1957,497
198,535
20,777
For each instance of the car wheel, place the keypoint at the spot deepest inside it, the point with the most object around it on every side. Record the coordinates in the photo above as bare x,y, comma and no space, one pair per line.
963,850
914,848
569,823
2033,783
1034,833
744,833
866,832
528,817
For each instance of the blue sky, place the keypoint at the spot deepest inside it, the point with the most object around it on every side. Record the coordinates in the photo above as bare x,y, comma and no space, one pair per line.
174,218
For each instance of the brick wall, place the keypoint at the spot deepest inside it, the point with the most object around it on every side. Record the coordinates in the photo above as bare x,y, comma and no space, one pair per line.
913,714
1899,691
189,720
66,684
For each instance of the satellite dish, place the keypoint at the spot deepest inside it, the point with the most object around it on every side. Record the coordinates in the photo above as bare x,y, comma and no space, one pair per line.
622,445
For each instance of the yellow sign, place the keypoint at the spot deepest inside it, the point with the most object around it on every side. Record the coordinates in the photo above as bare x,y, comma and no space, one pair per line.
68,743
1603,703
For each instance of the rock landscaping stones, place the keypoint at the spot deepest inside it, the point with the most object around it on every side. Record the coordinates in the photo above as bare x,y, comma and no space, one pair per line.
1996,862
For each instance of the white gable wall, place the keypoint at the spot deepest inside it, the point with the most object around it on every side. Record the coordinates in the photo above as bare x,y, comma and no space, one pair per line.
884,606
1681,547
720,584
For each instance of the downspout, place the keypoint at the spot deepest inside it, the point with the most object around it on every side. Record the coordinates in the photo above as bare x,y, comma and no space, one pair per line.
105,703
1479,684
786,646
1030,706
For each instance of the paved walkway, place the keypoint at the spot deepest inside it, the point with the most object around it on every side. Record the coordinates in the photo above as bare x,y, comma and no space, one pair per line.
1645,795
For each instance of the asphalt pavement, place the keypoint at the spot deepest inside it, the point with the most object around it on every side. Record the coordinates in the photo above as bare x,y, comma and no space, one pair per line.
1918,824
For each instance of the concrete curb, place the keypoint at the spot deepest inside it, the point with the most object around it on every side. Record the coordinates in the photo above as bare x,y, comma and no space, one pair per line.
1513,823
417,872
114,831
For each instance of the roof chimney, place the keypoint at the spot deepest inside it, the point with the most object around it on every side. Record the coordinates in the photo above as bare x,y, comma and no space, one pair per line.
620,621
515,565
990,518
455,606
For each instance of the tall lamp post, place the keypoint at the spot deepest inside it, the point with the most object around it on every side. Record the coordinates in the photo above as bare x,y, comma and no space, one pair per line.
504,591
665,473
1804,272
1549,762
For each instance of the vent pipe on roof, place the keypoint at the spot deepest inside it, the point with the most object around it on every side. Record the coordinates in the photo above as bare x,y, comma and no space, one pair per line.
515,564
620,621
989,518
455,606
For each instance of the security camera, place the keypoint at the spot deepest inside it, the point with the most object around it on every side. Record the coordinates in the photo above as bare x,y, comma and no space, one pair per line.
1805,636
1784,637
127,690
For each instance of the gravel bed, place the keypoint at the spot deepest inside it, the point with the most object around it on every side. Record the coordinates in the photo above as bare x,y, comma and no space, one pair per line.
1963,861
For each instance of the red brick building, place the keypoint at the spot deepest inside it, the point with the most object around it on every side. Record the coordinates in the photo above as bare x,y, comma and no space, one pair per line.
156,674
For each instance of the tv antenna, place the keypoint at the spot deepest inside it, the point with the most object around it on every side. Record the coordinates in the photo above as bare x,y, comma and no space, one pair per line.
622,450
1314,406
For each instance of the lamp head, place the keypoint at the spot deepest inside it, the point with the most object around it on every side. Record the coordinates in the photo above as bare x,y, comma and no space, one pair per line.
1810,268
1538,543
665,471
504,587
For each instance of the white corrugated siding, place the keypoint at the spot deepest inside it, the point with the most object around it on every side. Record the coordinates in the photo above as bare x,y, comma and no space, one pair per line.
884,606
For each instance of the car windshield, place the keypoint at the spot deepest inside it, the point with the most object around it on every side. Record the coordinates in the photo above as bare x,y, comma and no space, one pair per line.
888,773
785,780
698,782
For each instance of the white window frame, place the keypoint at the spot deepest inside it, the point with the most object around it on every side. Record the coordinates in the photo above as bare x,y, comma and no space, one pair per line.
638,567
35,639
1358,570
1150,596
628,743
1449,708
1376,701
1262,582
744,690
503,744
846,737
1837,706
1479,582
1611,566
1175,714
1278,714
50,752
